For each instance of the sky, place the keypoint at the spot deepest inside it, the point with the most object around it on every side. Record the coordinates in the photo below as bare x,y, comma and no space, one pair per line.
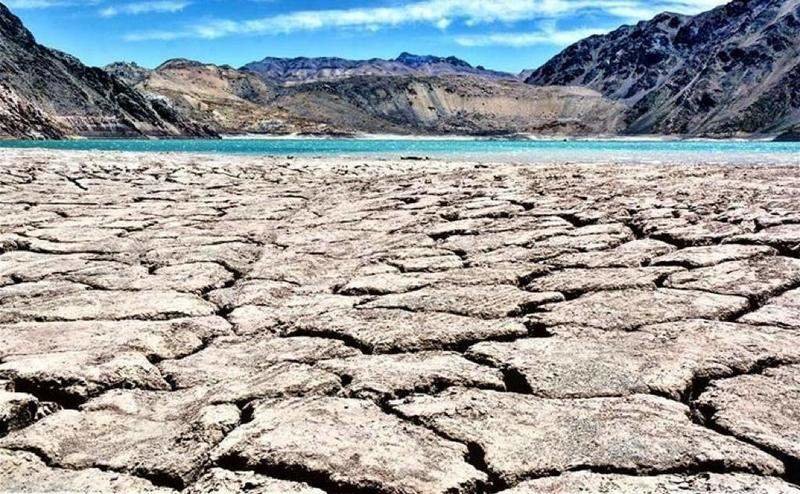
509,35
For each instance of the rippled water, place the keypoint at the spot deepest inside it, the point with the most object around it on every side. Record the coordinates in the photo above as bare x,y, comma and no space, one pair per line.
503,150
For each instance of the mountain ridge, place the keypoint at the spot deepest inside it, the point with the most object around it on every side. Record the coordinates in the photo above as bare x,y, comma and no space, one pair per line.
235,101
300,70
45,93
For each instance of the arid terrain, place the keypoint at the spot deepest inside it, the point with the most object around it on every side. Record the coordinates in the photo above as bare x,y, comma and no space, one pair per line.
222,324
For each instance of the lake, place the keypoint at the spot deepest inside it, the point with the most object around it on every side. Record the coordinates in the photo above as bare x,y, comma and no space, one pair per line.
540,151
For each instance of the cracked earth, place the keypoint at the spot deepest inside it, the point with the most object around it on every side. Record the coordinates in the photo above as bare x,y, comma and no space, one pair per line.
221,324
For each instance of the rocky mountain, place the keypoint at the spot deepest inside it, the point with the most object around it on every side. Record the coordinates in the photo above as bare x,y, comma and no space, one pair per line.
220,97
239,101
733,70
48,94
452,105
289,71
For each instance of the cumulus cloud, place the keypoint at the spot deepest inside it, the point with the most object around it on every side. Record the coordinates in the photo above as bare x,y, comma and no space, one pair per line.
439,13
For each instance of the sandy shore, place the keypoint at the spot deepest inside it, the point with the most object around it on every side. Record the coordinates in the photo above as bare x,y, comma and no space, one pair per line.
216,324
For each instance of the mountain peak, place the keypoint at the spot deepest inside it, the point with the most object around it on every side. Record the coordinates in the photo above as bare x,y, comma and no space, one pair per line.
418,60
11,27
179,63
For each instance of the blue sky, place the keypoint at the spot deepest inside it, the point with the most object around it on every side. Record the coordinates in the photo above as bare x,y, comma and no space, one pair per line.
507,35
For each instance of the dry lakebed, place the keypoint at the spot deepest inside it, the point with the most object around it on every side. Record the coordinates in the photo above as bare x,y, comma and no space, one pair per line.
177,322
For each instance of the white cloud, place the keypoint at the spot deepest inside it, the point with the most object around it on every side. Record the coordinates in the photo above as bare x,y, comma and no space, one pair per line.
433,12
521,39
44,4
136,8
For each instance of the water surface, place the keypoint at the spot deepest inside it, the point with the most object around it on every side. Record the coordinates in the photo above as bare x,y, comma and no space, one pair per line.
696,151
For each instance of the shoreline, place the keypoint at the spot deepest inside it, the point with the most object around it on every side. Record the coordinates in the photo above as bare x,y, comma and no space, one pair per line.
515,137
433,162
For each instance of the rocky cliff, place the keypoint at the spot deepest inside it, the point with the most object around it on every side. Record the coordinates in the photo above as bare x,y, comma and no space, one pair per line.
733,70
46,94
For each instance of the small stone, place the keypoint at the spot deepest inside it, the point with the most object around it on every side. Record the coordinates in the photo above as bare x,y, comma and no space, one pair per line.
665,359
785,238
21,471
573,282
702,257
757,279
253,292
108,305
240,370
164,435
783,311
393,331
486,302
222,481
634,254
77,360
761,409
428,264
630,309
17,410
523,436
686,234
587,482
384,284
391,376
351,444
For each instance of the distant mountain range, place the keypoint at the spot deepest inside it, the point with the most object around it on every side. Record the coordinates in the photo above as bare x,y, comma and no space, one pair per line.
733,71
409,102
304,70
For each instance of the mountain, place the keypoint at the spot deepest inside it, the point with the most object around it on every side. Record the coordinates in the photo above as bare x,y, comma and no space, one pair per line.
220,97
289,71
48,94
732,70
464,105
239,101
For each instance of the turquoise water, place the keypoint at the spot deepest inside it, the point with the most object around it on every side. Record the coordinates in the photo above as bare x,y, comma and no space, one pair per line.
510,150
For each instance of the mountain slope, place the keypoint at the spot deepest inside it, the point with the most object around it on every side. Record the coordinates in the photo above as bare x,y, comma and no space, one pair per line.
48,94
233,101
733,70
290,71
222,98
452,105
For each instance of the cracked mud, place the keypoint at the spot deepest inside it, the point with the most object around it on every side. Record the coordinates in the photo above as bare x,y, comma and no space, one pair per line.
225,324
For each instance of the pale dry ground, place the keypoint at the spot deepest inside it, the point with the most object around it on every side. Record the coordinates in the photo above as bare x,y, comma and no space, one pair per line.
220,324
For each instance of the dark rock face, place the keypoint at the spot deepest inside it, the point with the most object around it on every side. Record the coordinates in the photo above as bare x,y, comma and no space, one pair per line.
130,72
48,94
302,70
735,69
792,135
